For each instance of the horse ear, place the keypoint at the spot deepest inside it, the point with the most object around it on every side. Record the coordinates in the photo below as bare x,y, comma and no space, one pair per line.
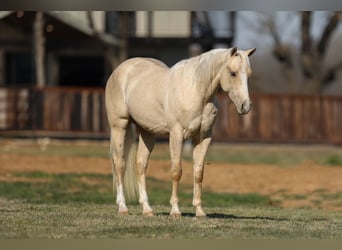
233,51
250,51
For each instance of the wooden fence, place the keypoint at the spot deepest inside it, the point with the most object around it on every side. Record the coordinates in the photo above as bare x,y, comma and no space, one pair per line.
282,118
81,111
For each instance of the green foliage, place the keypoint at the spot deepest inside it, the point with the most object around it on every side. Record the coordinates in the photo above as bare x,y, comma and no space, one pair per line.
333,160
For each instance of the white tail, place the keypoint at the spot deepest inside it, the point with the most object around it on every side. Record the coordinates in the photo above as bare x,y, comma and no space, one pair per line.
130,178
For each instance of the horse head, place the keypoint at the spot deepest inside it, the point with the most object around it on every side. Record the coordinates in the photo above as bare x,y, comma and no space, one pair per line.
234,76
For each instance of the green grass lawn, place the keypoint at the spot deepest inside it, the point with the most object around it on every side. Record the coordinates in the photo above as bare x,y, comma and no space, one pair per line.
88,220
67,206
44,205
45,188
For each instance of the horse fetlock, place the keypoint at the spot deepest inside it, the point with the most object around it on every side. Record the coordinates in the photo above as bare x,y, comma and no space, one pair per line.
145,205
175,212
122,209
148,213
174,205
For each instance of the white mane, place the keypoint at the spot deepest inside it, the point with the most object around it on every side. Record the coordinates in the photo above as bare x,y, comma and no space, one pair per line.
204,66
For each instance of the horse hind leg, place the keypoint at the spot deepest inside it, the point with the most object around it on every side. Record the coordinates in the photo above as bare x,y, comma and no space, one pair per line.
145,147
118,164
176,145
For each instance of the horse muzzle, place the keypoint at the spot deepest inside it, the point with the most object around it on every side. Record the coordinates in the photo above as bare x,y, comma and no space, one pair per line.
245,107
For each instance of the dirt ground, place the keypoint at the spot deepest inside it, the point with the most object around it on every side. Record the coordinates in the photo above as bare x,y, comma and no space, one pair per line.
297,186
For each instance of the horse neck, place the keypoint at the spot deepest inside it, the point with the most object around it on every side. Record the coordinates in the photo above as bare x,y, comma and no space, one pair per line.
208,69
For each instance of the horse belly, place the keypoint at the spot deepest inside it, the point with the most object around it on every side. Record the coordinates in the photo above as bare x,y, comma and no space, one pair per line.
147,111
149,118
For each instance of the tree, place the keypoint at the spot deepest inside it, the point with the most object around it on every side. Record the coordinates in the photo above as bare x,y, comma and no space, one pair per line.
39,48
204,26
310,54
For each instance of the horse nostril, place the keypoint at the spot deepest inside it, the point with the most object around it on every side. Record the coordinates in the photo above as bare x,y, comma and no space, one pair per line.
245,107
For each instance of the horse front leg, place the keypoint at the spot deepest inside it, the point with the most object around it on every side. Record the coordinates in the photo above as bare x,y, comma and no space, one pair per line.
201,143
176,145
199,152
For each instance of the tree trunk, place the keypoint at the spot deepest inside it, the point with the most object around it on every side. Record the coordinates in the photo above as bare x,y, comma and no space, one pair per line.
124,33
39,48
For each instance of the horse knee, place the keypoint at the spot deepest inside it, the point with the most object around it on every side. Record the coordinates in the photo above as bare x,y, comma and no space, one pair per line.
176,173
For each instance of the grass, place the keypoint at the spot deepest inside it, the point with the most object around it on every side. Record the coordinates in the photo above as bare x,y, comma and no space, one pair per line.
281,155
333,160
46,188
41,187
89,220
55,148
43,205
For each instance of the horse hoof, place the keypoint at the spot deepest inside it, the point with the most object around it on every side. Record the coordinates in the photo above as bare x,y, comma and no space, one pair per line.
201,217
148,214
123,213
176,215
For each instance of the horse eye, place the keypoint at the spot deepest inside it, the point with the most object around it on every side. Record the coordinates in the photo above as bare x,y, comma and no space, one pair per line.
233,74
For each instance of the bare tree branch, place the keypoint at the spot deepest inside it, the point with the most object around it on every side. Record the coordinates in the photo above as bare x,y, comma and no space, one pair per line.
327,33
330,74
306,39
281,51
273,30
307,56
232,21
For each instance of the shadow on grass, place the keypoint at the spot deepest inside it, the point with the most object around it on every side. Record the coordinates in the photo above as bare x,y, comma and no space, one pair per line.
227,216
230,216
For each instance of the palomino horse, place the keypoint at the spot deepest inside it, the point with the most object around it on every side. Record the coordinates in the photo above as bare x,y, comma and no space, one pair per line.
178,101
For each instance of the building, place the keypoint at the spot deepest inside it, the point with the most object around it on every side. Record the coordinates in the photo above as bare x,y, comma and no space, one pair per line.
82,47
74,44
40,50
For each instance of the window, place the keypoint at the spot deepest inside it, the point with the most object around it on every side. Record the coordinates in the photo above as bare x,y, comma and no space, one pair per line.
88,71
18,68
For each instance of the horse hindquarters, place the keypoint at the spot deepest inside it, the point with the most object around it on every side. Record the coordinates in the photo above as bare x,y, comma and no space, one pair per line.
122,144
